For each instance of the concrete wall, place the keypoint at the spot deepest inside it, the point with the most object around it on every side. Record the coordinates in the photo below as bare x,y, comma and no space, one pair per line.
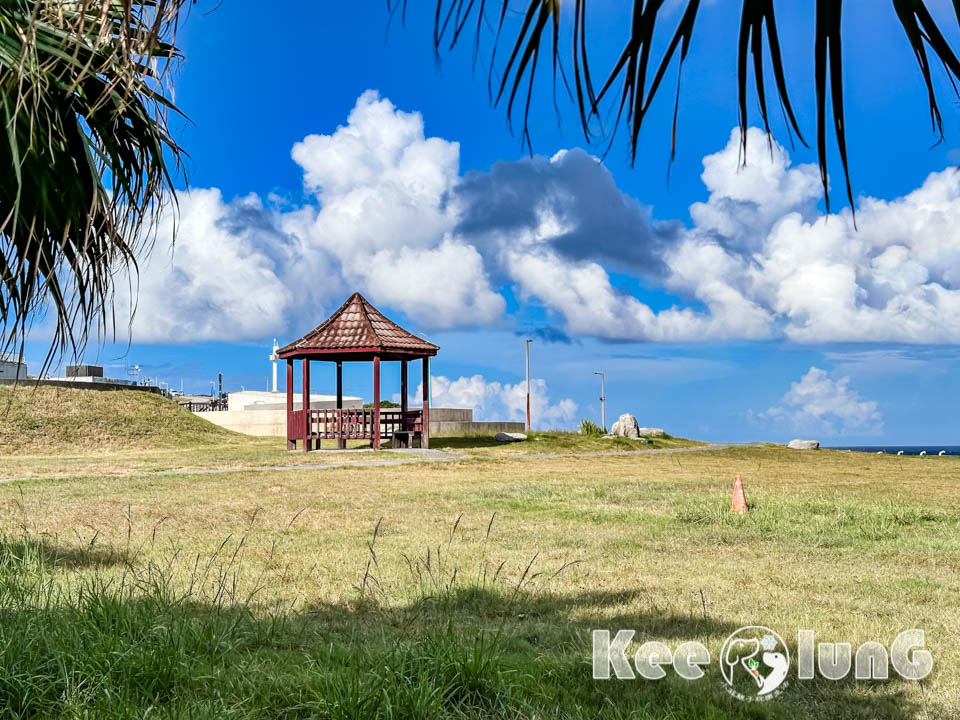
448,415
454,422
82,385
264,423
450,422
460,429
260,400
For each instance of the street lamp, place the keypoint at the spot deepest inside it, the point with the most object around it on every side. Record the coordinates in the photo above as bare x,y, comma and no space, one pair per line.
528,383
603,400
273,359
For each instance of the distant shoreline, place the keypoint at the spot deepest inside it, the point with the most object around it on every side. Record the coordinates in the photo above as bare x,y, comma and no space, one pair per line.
951,450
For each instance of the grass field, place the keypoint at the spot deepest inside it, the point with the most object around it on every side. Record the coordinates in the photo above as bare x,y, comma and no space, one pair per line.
461,589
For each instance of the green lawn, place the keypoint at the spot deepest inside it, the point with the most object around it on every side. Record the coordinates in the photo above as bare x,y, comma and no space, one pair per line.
468,588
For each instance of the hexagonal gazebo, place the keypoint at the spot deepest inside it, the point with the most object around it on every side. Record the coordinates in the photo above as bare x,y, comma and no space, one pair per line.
357,332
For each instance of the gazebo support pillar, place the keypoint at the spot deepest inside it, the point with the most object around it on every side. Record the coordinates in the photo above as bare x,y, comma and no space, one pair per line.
291,444
341,442
376,403
425,435
305,404
403,386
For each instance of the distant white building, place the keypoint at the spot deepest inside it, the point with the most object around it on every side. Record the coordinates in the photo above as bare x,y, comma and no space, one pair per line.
12,370
263,400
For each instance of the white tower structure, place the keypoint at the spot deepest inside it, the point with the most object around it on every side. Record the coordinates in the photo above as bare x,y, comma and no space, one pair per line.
273,359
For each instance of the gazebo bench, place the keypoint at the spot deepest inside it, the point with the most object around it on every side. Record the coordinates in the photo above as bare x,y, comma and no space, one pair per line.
402,439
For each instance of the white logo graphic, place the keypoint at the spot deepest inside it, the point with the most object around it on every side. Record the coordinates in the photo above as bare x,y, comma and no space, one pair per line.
754,661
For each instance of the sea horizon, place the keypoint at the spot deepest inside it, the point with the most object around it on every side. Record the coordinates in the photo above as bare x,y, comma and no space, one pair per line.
889,449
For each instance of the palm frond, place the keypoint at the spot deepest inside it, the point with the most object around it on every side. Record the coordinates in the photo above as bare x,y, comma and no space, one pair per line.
626,82
84,102
756,14
919,27
827,48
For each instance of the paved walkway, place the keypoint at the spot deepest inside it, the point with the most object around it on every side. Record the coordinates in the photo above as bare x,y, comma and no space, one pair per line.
413,456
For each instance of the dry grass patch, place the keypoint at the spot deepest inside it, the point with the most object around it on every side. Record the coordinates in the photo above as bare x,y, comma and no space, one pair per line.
252,453
540,551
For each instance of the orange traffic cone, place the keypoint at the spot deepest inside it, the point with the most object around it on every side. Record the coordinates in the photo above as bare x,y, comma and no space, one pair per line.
739,504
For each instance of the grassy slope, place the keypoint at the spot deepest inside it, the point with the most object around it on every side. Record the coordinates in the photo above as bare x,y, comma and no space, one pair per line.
49,419
288,613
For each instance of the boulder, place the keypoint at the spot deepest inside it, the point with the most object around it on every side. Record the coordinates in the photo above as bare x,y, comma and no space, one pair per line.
509,437
651,432
626,426
804,444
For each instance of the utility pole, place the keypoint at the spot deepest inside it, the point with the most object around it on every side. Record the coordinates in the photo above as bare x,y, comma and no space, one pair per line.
603,400
528,383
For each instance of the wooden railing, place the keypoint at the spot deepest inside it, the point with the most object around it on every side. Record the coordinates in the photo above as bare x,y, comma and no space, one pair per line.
353,424
206,406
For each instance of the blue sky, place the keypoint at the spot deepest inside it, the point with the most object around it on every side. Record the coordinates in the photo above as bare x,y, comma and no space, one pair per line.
723,306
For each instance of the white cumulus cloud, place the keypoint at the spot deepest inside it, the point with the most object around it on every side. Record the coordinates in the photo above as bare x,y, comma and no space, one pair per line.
388,213
379,224
759,241
220,281
491,400
818,403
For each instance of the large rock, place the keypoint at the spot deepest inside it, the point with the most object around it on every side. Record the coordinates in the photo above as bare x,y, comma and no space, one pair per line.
509,437
651,432
626,427
804,444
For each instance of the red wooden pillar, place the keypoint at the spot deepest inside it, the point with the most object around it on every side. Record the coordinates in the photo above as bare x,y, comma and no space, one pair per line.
425,436
376,402
341,441
291,444
403,388
305,404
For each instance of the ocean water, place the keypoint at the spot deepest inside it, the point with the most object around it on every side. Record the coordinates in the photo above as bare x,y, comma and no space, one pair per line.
907,449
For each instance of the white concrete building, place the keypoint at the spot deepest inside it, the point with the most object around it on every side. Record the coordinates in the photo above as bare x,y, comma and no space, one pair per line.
12,370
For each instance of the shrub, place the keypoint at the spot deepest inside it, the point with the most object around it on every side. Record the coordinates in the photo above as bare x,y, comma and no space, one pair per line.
591,428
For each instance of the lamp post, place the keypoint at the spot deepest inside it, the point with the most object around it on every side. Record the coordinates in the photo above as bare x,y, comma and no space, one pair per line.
603,400
273,359
528,383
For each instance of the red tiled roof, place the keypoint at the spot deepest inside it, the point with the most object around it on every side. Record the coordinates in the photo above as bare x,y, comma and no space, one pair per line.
359,325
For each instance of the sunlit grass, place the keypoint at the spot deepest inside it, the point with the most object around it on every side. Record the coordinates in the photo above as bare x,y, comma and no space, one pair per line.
528,554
